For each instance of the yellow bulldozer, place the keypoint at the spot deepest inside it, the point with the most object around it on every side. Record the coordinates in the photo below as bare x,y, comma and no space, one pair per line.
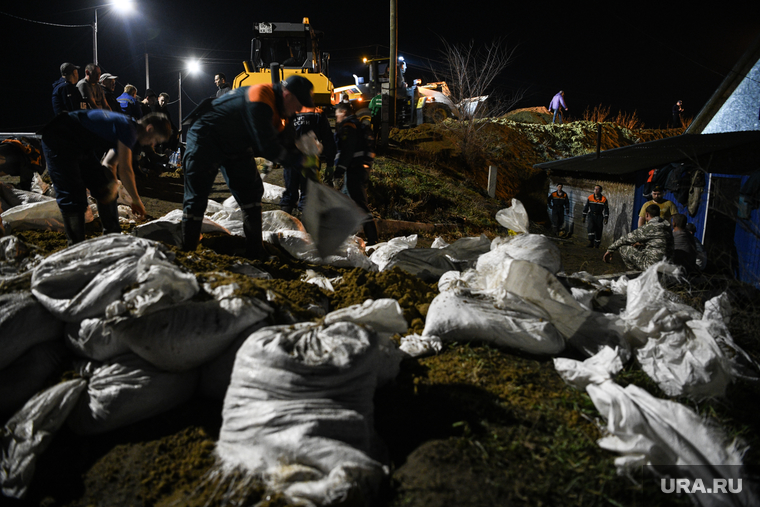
280,50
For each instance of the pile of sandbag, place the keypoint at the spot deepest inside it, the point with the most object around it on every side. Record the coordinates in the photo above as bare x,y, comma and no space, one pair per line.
145,342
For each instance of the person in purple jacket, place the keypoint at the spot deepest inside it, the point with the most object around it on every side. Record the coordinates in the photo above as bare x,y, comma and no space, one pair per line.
558,101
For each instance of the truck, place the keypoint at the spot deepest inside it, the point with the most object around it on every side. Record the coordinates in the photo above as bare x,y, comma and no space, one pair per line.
415,104
280,50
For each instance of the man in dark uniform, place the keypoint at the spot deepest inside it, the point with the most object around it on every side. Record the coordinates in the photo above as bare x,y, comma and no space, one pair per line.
560,206
227,134
308,120
74,145
354,159
597,212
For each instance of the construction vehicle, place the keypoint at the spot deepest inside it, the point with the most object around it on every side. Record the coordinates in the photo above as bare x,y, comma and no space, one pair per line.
415,104
280,50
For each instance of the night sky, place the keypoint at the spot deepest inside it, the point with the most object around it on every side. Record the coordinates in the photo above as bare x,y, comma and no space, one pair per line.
627,58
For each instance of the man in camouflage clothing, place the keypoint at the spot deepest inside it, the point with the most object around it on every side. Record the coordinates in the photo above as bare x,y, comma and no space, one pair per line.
646,245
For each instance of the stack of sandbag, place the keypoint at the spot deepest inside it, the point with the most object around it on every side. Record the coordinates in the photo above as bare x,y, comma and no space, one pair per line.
32,348
299,409
512,298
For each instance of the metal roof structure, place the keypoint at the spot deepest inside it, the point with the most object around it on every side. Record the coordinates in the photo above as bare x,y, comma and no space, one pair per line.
727,153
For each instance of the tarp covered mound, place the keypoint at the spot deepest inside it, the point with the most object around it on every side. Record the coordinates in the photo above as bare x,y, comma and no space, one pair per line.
299,409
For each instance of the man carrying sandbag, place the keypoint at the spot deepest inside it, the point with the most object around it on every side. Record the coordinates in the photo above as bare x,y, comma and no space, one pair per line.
227,134
74,145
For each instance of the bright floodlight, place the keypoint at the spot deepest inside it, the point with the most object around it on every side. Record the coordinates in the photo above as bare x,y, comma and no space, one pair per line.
193,66
124,6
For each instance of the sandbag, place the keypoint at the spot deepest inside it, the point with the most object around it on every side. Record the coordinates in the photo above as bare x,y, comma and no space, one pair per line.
81,281
126,390
184,336
647,430
384,252
29,432
168,228
298,412
528,247
503,320
514,218
28,374
24,322
93,340
677,346
330,217
430,263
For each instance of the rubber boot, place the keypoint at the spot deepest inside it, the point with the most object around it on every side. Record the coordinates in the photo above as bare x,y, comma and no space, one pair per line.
254,245
109,217
73,224
370,232
191,234
590,243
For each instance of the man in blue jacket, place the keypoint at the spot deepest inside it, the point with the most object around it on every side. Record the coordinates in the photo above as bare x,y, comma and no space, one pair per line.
558,103
74,145
66,96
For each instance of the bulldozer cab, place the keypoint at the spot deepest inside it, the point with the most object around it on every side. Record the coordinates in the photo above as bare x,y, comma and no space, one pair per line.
288,48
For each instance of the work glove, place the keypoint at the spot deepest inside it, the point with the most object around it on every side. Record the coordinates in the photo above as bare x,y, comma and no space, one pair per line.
605,220
339,172
584,219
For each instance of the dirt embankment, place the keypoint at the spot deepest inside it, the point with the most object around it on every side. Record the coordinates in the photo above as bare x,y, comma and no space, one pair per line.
514,144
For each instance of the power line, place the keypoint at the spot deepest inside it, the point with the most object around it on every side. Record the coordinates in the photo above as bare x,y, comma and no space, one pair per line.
44,22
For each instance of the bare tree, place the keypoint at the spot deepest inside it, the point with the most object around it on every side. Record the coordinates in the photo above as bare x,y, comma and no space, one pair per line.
470,73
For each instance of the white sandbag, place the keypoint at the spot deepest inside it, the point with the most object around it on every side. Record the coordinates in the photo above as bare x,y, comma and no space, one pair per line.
514,218
28,374
93,340
186,335
279,220
430,263
125,390
455,279
383,315
318,279
28,433
160,284
506,321
168,228
43,215
272,195
383,252
298,412
585,330
298,244
330,217
350,254
216,374
647,430
24,322
415,345
81,281
439,242
679,350
528,247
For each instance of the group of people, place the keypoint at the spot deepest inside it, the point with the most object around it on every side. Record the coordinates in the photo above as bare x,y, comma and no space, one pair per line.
662,233
88,147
